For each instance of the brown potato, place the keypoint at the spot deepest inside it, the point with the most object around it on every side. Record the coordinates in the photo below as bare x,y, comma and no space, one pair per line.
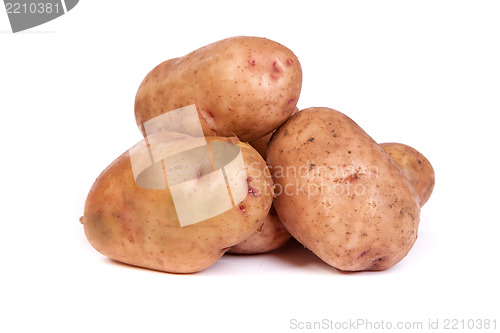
272,234
268,237
243,86
261,144
415,166
339,193
140,226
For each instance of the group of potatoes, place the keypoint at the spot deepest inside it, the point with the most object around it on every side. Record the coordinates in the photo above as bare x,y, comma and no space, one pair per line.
312,174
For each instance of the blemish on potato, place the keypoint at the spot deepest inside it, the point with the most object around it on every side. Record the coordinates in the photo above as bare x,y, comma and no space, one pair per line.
276,68
363,253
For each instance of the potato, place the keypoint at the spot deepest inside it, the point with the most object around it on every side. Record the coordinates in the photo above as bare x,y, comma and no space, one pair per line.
261,144
272,234
141,226
415,166
241,86
268,237
339,193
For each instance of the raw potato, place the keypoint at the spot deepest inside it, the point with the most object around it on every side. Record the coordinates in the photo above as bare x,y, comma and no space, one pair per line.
268,237
243,86
140,226
261,144
415,166
340,194
272,234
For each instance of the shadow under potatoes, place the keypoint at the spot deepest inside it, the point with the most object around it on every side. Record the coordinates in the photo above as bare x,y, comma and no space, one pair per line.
290,255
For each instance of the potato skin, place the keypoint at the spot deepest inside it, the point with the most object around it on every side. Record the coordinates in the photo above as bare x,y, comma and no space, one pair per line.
261,144
270,236
243,86
140,227
347,201
415,167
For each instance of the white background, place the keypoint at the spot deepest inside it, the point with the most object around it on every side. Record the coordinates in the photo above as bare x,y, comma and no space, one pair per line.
425,73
